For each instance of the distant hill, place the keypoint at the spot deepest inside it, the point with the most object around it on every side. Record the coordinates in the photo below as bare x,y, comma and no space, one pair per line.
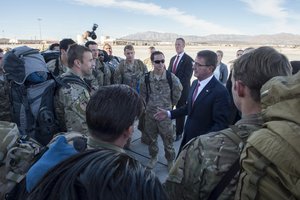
276,39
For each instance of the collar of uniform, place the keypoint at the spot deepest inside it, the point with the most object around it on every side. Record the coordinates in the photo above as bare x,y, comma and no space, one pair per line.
161,77
255,119
72,72
96,143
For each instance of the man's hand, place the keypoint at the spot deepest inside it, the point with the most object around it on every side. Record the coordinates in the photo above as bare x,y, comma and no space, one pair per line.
161,114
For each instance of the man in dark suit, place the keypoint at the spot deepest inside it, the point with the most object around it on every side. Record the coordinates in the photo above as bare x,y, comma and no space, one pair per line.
208,103
181,65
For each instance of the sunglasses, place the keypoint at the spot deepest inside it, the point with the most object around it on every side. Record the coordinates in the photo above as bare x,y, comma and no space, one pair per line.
159,61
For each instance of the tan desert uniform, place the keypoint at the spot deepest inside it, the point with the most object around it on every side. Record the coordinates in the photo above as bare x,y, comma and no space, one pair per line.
160,96
70,106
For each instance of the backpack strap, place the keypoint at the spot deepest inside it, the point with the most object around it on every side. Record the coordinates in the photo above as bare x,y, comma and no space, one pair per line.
234,169
147,83
217,191
170,82
56,69
63,81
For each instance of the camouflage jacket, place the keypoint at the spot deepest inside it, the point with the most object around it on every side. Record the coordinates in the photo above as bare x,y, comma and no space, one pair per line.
51,65
159,96
100,76
130,74
93,143
4,101
205,160
271,158
70,105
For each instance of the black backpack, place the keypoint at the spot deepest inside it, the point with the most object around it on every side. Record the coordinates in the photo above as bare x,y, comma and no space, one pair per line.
148,88
32,88
52,55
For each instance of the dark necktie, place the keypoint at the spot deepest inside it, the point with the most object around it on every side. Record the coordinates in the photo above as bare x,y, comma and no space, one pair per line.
195,93
175,65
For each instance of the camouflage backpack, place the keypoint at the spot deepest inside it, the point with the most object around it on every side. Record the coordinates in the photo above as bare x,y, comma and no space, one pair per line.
271,159
17,154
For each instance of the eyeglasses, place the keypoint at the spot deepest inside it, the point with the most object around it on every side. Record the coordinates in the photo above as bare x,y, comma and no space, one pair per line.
159,61
199,65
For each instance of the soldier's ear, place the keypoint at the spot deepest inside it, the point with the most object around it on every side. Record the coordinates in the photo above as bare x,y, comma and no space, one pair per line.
128,132
77,62
240,88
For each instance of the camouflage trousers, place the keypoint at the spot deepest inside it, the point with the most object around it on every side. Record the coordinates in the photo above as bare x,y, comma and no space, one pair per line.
164,128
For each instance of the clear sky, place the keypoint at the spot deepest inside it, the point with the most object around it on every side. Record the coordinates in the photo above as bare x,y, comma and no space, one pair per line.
57,19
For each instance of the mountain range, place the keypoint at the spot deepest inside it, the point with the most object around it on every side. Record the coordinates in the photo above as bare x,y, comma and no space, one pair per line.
275,39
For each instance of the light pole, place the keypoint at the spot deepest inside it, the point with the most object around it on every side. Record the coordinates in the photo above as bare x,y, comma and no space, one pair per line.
39,20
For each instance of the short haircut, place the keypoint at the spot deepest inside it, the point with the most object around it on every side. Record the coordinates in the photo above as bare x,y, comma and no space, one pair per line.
210,58
1,50
88,43
51,47
220,52
128,47
156,53
151,48
99,174
181,40
258,66
111,110
65,43
76,51
106,45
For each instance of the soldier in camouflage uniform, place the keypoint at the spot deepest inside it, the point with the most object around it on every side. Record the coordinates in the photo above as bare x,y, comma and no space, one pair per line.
148,61
101,73
130,71
60,65
157,93
105,69
112,61
71,100
205,160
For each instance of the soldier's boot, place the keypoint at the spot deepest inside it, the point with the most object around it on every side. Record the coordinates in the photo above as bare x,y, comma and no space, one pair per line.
152,162
170,164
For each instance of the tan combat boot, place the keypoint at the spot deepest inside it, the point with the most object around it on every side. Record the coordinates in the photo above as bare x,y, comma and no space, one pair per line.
152,162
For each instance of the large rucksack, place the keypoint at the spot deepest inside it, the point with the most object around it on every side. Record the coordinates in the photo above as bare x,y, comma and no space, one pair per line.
32,89
271,159
17,154
52,55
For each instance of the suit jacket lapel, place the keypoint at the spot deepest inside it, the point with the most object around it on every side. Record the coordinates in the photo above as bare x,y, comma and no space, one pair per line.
205,91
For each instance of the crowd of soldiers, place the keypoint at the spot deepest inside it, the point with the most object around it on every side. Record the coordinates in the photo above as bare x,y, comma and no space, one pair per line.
204,158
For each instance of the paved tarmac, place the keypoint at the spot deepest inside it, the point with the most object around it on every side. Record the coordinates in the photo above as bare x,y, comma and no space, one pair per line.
140,151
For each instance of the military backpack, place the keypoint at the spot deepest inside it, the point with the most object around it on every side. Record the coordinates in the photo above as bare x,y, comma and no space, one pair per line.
31,90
